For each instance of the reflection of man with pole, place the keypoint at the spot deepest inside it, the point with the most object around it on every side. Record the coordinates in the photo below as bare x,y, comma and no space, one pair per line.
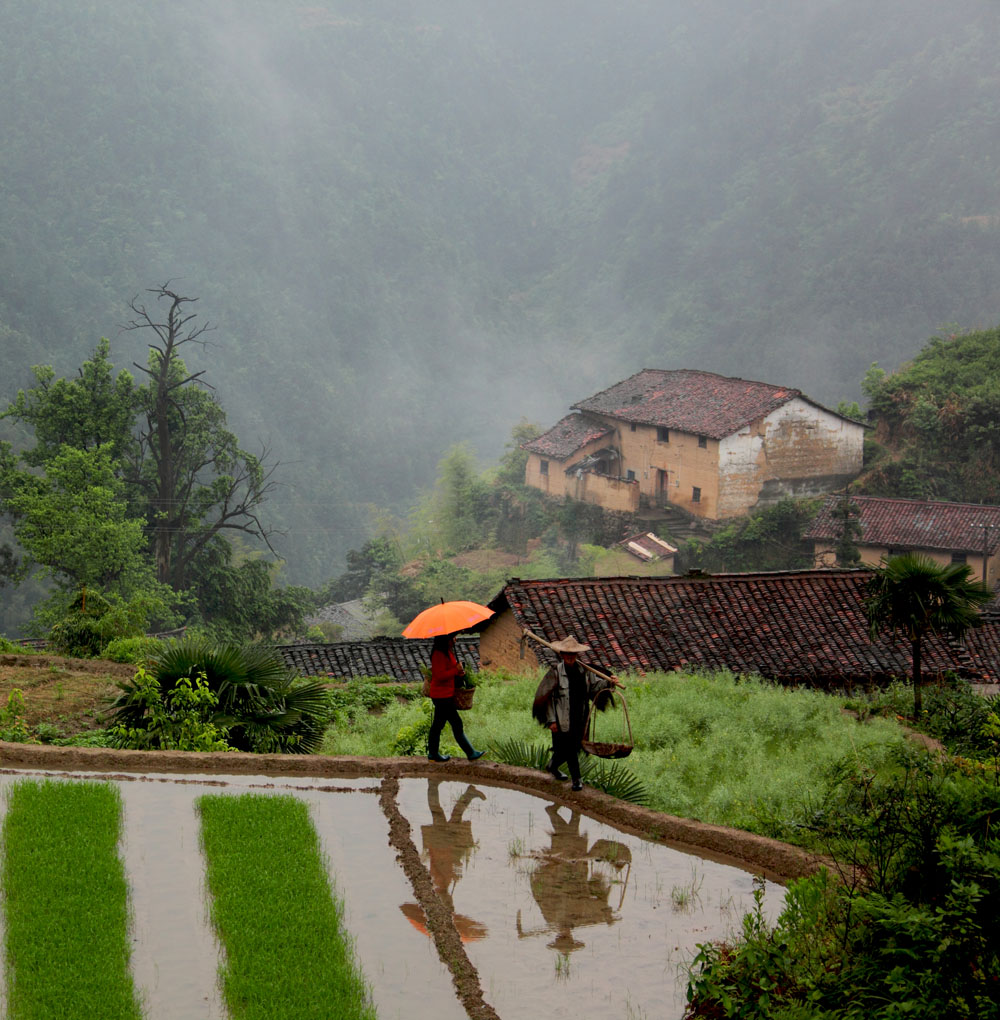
448,842
568,891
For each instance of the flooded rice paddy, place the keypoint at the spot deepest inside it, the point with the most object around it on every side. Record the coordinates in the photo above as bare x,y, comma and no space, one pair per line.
548,912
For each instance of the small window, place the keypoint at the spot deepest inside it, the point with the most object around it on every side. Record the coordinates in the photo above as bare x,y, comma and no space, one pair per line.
543,467
958,557
696,495
630,475
662,434
632,427
703,442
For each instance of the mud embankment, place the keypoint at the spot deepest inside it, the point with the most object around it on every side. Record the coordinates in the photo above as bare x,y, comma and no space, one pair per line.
775,860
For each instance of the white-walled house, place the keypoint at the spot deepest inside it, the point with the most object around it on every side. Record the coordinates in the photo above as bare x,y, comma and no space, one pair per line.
716,446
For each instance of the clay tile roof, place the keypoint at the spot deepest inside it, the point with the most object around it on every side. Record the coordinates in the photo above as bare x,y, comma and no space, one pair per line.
915,524
702,403
983,645
567,436
794,626
396,657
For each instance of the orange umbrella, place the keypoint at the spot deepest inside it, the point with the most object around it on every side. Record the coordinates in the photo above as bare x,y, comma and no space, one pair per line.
446,618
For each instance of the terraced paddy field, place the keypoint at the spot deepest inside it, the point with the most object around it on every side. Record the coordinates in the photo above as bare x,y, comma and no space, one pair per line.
468,890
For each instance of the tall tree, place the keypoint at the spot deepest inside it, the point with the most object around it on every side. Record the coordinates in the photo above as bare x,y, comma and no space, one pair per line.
197,481
916,596
96,408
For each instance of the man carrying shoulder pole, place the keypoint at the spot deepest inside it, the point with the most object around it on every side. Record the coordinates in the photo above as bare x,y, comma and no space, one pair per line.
562,700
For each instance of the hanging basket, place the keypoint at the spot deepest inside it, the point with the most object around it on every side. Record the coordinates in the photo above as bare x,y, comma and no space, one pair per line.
463,698
605,748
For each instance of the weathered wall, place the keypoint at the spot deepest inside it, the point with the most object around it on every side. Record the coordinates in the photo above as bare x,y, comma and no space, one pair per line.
500,646
800,449
685,464
617,494
556,482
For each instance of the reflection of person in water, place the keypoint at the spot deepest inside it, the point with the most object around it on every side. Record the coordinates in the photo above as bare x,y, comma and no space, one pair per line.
448,842
569,892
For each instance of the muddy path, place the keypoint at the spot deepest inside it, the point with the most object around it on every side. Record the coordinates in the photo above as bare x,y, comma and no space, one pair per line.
775,860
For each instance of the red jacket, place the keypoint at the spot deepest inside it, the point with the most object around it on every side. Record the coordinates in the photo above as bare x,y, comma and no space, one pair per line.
444,669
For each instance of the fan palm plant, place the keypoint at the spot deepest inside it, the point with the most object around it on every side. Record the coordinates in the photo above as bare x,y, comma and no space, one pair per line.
261,703
914,595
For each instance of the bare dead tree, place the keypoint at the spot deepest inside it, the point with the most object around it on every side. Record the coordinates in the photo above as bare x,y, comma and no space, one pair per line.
197,481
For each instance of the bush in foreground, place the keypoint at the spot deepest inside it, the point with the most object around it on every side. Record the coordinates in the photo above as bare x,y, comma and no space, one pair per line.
245,692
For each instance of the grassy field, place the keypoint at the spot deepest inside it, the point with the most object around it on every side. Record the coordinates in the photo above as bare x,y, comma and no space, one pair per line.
745,754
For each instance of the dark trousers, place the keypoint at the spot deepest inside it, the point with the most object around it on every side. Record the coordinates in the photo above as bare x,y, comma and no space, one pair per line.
445,712
566,748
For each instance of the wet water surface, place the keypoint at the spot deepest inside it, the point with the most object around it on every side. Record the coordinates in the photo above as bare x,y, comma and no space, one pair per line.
562,916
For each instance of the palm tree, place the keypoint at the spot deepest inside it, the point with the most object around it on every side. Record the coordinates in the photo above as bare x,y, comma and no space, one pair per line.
913,594
262,704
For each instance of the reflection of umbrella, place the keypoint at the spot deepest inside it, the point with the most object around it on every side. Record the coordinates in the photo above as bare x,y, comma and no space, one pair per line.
446,618
468,930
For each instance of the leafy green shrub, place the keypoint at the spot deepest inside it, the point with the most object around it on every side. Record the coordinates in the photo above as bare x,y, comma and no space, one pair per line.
48,733
137,650
357,698
9,647
910,926
260,703
179,719
952,712
412,738
13,727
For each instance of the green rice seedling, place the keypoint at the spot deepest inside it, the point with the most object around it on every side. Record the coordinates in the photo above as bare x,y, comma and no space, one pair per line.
287,955
66,910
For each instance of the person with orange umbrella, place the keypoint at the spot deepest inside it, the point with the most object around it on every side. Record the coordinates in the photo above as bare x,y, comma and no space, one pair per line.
442,622
445,671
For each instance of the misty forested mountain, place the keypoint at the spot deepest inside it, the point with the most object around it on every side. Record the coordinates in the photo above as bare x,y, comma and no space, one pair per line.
414,224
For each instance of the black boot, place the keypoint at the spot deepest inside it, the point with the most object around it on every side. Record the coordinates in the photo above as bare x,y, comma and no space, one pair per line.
557,773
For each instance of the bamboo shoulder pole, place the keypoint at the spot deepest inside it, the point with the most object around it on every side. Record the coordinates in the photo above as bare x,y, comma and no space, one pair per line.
591,669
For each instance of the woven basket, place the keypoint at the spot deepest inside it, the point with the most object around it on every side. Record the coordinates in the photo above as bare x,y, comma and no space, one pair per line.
607,748
463,698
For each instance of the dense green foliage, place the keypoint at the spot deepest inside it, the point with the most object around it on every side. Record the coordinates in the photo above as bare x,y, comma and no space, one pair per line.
939,421
65,904
769,539
208,695
287,953
131,492
416,226
909,926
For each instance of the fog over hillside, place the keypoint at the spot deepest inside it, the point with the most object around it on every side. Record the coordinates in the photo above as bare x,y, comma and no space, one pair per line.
416,224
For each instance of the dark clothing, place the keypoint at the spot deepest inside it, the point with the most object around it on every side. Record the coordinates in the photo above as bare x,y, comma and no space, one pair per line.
564,695
446,712
563,698
566,749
